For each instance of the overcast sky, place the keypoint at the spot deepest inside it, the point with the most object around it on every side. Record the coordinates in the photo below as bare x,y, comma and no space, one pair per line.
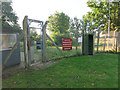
42,9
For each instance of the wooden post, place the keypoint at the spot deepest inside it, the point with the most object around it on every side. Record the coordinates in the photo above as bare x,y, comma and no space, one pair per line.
25,41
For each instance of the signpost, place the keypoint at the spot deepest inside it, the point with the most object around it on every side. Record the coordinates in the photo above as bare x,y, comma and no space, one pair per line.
66,44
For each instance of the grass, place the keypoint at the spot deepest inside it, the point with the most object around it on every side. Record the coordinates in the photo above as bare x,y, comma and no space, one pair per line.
53,53
99,71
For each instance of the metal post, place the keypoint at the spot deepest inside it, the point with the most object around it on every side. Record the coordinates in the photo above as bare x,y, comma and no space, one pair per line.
98,41
116,44
55,44
44,42
93,44
108,26
81,44
0,47
104,43
29,44
76,45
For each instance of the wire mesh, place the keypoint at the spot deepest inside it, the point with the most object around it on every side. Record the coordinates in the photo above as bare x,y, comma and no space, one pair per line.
36,45
105,43
53,53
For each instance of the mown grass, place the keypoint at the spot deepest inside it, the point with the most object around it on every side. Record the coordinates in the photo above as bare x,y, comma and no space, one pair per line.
99,71
53,53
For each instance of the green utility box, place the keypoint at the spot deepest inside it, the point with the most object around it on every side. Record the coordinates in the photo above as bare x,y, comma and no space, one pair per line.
88,44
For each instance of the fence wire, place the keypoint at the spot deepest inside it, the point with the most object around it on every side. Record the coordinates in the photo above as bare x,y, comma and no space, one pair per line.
36,47
106,43
53,53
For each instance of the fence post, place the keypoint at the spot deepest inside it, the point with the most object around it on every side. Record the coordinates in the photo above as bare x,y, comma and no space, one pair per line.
44,41
98,41
76,45
93,43
118,42
29,44
25,41
55,44
83,42
104,44
116,45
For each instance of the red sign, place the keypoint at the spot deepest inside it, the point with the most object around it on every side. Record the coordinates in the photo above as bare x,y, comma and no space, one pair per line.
66,44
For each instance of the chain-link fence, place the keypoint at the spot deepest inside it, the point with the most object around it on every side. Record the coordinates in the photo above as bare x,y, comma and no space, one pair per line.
52,52
106,43
35,44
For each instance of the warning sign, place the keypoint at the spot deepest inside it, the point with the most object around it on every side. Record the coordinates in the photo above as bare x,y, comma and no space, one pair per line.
66,44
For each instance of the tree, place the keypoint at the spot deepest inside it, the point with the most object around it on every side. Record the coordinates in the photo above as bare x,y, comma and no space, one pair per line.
34,36
9,19
75,29
100,14
85,29
59,26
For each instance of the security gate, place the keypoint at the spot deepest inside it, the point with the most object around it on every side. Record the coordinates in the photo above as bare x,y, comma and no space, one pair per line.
33,49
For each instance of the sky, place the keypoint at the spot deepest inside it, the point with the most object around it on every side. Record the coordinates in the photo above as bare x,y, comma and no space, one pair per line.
42,9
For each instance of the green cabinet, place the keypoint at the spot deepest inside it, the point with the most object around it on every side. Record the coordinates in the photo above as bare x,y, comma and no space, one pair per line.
88,44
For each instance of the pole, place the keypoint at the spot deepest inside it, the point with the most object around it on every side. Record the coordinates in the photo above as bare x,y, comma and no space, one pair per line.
29,44
108,26
55,44
98,41
25,41
44,41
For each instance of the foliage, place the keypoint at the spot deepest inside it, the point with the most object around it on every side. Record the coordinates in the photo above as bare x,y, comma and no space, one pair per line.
49,43
34,36
59,25
75,27
9,19
86,25
100,14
